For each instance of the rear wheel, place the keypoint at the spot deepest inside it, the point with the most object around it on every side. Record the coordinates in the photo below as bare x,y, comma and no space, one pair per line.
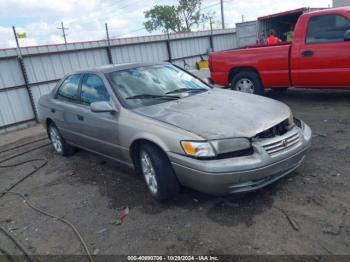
158,173
58,143
247,82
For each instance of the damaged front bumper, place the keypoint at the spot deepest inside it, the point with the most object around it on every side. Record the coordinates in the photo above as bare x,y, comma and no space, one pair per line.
272,159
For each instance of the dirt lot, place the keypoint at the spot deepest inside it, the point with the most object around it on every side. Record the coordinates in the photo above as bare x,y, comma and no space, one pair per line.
306,213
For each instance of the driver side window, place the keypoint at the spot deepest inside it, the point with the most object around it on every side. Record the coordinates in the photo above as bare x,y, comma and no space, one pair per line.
68,91
93,90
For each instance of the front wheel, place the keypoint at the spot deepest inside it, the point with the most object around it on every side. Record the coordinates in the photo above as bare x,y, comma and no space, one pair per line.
158,173
247,82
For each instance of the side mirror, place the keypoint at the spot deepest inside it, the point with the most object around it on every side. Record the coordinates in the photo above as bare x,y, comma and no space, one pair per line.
102,106
347,35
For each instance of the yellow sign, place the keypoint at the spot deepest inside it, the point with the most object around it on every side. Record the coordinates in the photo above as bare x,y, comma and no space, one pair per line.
22,35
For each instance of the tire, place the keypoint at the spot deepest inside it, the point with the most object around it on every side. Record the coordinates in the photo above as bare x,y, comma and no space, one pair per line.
248,82
58,142
158,173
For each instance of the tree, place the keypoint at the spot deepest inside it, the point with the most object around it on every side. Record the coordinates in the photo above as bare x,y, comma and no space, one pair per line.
163,16
189,11
179,18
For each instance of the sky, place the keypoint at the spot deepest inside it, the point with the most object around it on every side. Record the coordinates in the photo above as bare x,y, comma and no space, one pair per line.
85,19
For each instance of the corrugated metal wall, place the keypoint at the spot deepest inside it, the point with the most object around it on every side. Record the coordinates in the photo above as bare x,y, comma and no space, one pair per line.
340,3
45,65
246,33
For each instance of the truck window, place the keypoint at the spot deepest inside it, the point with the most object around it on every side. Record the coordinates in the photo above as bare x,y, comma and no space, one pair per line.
327,28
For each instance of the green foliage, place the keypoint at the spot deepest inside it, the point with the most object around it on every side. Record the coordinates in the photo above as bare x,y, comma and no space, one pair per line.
163,16
179,18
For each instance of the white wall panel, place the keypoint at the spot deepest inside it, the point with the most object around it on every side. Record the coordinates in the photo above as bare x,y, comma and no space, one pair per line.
40,90
246,33
10,73
189,47
224,42
54,66
153,52
15,106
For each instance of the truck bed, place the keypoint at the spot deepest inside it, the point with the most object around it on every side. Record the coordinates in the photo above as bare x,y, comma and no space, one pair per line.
272,63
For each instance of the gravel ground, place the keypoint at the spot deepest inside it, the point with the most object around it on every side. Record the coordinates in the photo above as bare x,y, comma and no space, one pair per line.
305,213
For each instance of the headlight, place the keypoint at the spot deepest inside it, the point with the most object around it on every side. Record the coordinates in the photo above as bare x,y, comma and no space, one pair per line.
230,145
215,147
198,149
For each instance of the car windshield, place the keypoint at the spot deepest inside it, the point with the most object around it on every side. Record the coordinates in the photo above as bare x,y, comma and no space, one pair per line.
149,85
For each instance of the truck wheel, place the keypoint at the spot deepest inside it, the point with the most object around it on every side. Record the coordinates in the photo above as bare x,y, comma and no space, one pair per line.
247,82
158,173
60,146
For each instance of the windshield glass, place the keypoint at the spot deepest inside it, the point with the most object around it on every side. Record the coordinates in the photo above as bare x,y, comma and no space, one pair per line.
144,86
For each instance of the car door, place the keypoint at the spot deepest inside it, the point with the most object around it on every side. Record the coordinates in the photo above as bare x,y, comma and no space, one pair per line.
322,61
64,105
98,131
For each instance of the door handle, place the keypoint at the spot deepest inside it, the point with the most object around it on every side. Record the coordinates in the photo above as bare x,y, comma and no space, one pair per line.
81,118
53,110
307,53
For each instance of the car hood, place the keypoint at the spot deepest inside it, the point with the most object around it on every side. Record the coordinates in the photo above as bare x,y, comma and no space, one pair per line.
219,113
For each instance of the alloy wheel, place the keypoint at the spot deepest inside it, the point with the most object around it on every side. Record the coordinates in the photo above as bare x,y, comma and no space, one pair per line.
245,85
56,139
149,172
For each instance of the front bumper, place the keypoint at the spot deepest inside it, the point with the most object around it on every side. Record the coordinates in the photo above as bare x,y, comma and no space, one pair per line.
242,174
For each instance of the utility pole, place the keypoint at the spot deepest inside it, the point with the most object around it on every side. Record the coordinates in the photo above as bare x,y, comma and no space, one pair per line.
211,25
168,47
211,34
17,43
63,32
222,14
24,75
109,53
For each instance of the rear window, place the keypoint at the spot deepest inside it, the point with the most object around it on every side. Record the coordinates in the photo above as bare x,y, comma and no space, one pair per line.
327,28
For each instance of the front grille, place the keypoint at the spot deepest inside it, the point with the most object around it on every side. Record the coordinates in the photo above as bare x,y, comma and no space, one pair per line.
283,144
277,130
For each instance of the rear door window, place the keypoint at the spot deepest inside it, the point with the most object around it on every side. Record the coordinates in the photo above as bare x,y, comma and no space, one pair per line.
69,89
93,89
327,28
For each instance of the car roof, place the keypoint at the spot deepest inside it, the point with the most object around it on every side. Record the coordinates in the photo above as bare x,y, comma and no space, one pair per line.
114,67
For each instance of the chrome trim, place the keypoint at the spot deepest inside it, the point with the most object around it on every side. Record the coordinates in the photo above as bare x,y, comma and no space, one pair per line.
282,143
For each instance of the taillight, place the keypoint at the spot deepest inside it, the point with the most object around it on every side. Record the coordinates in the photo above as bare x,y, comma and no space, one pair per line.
210,64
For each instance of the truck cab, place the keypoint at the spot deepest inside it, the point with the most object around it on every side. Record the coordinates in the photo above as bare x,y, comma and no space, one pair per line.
320,53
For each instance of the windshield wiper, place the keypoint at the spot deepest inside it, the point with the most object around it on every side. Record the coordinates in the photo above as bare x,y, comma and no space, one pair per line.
181,90
150,96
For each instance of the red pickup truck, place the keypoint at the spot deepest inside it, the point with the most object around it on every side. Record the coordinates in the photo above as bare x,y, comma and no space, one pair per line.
318,57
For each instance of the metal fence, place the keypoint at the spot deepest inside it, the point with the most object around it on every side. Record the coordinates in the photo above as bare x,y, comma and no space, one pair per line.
27,75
